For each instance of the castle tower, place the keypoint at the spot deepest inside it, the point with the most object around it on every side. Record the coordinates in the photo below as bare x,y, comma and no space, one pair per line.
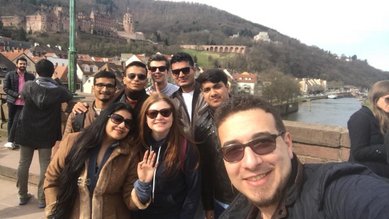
128,24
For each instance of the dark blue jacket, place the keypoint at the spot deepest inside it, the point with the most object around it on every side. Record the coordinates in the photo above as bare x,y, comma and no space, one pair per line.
176,196
367,142
331,191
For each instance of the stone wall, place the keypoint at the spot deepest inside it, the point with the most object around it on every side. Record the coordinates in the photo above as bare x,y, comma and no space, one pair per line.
319,143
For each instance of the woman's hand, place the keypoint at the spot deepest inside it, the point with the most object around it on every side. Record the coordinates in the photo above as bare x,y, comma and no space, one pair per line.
146,167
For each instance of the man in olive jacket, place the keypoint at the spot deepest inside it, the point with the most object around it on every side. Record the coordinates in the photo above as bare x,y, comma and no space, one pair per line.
39,126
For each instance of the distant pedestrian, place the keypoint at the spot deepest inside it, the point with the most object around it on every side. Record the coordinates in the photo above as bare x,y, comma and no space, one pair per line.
39,126
13,86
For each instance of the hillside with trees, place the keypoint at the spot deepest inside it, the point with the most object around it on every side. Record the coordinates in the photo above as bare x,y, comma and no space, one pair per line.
169,24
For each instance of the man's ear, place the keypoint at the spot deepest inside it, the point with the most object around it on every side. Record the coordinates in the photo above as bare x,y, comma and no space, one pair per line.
289,143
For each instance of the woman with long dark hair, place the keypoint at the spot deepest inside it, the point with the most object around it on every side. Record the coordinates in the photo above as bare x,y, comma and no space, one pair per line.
369,130
92,174
171,190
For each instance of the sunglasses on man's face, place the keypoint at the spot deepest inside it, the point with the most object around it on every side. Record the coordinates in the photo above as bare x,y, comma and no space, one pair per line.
141,77
262,145
185,71
118,119
160,69
152,114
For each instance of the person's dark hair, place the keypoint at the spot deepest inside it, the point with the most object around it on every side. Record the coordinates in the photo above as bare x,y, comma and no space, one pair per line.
136,63
182,57
212,75
44,68
21,59
104,74
158,57
378,90
247,102
74,164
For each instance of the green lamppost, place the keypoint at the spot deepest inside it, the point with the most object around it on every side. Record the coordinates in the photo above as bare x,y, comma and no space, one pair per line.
72,48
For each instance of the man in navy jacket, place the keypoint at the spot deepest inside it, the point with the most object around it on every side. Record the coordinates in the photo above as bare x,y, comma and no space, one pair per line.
258,156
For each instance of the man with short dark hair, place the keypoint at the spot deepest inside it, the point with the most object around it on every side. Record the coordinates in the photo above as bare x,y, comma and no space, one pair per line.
133,93
187,98
158,66
259,159
13,86
39,126
135,81
103,89
217,192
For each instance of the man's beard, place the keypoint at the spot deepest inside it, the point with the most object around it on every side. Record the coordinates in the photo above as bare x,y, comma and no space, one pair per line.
276,197
22,68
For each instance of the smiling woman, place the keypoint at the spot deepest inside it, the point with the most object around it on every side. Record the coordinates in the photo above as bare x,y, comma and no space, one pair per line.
168,186
97,164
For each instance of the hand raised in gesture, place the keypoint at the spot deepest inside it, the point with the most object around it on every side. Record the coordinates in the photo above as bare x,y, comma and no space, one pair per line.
146,167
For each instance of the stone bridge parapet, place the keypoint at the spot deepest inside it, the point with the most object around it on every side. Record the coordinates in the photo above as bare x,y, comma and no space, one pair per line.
319,143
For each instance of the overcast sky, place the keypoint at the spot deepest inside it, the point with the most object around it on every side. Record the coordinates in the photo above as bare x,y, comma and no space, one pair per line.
349,27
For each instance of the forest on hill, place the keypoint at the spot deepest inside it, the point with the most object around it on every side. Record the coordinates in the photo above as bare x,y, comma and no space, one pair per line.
169,24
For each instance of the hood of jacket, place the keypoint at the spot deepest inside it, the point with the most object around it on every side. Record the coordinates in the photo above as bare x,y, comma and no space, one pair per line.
42,92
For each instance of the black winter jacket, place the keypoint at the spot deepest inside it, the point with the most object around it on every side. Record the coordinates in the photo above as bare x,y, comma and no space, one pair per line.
215,181
11,85
177,194
39,125
367,142
319,191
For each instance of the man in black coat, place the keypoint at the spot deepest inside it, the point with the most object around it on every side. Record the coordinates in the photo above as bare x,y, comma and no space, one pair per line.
13,86
217,192
39,126
258,156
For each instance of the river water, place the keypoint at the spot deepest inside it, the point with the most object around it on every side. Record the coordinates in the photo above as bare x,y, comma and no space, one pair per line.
326,111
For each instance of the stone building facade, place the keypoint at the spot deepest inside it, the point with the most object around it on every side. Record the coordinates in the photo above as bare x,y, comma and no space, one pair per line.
56,19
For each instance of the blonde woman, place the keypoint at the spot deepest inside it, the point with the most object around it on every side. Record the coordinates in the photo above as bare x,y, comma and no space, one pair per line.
367,129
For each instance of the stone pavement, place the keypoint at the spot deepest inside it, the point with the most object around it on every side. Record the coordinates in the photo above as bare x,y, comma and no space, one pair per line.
9,202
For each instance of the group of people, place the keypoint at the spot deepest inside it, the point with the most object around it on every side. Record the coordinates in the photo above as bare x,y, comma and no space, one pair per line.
34,123
191,150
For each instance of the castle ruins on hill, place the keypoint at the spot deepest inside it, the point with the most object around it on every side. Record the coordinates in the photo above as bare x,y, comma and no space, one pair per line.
56,20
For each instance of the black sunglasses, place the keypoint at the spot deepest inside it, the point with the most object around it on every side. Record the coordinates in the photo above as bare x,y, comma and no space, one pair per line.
185,70
108,86
118,119
141,77
152,114
263,144
160,69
